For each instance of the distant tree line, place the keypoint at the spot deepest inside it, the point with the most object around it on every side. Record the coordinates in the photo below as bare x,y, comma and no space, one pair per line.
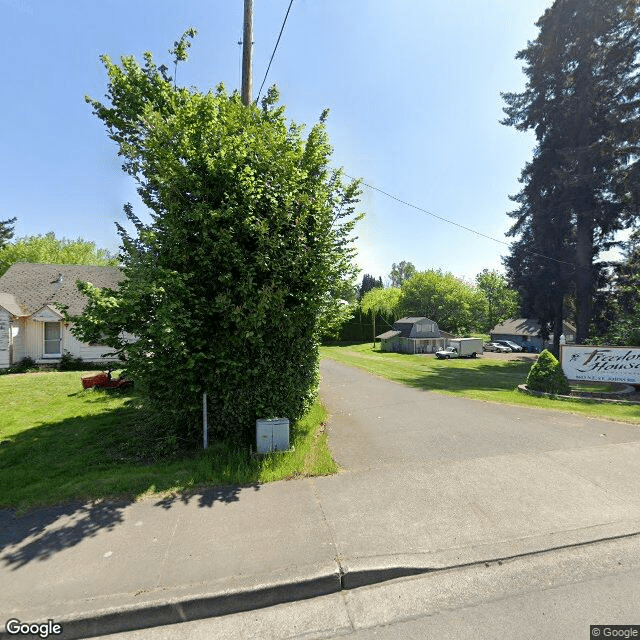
47,249
456,306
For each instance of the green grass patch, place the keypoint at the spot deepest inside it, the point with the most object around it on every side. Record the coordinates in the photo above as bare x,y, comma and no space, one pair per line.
485,337
480,378
59,442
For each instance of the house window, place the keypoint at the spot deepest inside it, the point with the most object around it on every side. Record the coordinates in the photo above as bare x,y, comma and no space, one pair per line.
52,339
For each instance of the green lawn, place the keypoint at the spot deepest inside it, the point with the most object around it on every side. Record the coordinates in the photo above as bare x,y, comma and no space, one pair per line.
480,378
59,442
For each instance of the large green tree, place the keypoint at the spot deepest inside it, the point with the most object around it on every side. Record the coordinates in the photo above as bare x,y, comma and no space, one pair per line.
229,287
442,297
617,320
379,301
401,272
501,301
51,250
342,303
582,102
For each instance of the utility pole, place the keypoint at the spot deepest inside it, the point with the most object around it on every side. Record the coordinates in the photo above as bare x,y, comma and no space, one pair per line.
247,41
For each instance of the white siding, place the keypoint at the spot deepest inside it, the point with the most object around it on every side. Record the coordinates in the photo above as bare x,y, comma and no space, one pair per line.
423,327
5,339
89,353
18,339
28,342
33,339
33,343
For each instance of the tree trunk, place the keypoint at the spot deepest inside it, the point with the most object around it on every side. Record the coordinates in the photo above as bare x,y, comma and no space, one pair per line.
558,321
584,276
374,331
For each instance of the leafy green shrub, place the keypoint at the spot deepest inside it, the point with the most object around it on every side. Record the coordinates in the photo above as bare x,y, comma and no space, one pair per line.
229,289
546,375
70,363
25,365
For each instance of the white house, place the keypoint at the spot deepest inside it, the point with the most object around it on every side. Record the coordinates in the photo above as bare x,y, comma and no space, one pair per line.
31,325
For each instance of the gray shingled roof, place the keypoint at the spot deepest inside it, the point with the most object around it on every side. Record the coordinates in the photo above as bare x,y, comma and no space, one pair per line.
9,302
405,325
33,286
517,327
388,334
521,327
413,320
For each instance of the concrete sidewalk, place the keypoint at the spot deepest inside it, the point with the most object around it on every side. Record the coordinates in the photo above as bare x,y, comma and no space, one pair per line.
430,482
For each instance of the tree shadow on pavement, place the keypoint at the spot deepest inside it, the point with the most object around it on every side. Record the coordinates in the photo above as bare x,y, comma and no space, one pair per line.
458,375
41,533
206,497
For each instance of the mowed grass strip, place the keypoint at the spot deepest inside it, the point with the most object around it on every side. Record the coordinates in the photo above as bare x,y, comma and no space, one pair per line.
481,378
59,442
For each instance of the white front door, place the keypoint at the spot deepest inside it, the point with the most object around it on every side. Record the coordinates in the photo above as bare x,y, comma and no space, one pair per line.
52,339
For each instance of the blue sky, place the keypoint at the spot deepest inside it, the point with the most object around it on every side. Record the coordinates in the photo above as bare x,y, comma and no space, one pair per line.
413,90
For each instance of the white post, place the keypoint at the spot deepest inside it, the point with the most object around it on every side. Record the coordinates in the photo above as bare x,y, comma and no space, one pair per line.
205,435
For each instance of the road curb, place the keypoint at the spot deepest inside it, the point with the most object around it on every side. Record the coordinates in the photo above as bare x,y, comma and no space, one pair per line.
618,398
195,607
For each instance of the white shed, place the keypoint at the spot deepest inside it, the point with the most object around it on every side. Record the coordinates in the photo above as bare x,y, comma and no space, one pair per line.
413,335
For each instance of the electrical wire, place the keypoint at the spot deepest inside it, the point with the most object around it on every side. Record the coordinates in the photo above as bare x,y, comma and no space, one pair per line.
389,195
461,226
274,50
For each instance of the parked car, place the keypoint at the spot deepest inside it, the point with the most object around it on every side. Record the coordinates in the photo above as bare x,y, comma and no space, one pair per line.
494,346
508,343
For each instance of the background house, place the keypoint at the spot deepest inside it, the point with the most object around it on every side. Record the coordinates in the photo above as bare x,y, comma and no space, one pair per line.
413,335
31,325
524,331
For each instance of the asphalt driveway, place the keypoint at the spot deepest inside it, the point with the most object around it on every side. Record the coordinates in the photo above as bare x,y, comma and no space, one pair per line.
375,422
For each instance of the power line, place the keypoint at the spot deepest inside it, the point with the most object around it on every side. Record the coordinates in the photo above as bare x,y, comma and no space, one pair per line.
274,50
456,224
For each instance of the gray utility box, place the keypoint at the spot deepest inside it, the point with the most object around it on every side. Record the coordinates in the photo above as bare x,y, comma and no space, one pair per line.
272,435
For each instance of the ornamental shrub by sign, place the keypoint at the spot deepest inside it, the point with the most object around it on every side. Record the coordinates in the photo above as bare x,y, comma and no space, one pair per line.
546,375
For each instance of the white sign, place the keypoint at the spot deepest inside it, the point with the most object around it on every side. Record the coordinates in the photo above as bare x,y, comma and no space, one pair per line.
601,364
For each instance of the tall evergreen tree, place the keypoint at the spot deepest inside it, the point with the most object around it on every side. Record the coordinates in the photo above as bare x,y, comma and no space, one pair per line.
368,282
582,102
617,306
6,231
